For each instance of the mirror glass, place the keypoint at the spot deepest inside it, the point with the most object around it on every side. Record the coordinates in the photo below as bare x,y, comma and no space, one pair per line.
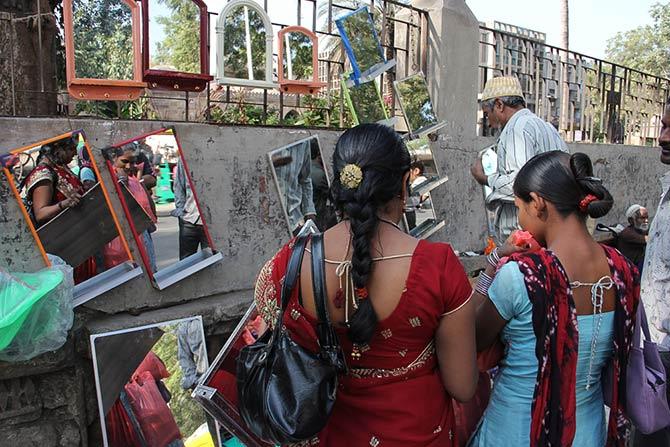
60,189
144,379
244,44
303,184
298,50
415,102
103,39
424,169
358,33
174,35
161,204
365,102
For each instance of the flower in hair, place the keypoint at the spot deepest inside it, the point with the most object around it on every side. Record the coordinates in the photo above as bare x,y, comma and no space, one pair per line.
361,293
586,201
351,176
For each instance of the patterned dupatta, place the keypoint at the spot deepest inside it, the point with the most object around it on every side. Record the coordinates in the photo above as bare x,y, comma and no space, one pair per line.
555,326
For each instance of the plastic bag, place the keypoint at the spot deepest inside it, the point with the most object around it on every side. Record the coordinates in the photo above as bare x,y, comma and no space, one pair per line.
153,414
44,301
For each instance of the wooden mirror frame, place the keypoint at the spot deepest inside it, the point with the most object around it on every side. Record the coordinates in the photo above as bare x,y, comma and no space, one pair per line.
294,85
103,89
177,80
102,282
220,50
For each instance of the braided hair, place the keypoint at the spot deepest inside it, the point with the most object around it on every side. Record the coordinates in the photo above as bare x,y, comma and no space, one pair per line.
381,155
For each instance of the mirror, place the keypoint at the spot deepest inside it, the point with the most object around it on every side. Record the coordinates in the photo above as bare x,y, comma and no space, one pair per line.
102,49
175,53
362,45
424,177
144,377
414,99
217,392
303,184
67,208
244,45
298,60
158,196
365,102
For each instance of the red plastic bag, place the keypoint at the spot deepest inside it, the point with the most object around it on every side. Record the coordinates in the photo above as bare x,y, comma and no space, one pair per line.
120,432
153,414
525,240
154,365
467,415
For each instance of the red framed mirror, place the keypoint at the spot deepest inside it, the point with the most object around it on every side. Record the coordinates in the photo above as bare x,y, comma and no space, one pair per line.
298,61
175,50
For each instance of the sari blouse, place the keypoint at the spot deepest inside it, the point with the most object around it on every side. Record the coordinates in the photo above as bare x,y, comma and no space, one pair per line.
393,394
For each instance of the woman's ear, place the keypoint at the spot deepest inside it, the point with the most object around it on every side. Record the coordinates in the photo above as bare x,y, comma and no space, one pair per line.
539,205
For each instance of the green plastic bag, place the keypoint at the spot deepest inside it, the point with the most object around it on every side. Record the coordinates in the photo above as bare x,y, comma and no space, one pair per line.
36,311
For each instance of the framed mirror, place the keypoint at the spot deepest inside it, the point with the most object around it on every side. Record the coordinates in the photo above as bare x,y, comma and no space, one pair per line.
298,61
244,39
217,391
416,105
365,102
362,45
57,185
144,377
158,196
175,53
424,177
303,184
103,62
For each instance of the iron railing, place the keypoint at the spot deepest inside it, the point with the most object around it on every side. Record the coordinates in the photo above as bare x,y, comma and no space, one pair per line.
586,98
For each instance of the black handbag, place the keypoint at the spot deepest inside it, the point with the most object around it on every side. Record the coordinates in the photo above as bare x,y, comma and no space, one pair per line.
286,393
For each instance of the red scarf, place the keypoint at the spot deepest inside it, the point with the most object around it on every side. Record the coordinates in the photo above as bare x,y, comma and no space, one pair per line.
555,326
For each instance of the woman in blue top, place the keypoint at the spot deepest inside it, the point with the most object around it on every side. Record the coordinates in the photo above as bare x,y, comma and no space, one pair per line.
564,313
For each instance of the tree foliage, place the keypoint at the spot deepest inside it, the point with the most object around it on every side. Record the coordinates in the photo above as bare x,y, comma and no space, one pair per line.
645,48
180,46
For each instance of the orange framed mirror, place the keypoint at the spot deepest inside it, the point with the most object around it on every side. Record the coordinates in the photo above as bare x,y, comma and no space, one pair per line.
298,61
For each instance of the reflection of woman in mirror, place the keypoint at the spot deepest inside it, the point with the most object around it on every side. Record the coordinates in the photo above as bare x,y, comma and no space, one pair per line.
52,187
414,201
401,306
124,159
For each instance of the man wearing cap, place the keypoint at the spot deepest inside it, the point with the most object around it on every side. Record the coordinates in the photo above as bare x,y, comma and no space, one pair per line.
523,135
632,241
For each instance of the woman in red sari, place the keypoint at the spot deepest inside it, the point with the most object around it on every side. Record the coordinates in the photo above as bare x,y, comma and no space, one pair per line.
52,187
400,306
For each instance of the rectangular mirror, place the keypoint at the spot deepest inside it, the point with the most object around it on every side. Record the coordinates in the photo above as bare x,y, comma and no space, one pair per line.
365,102
159,199
416,105
144,377
67,209
217,391
303,184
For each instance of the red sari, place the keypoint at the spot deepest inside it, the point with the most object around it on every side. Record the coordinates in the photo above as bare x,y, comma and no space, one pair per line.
393,395
66,183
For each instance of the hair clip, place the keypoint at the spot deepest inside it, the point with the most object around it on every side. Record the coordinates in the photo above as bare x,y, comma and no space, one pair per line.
586,201
351,176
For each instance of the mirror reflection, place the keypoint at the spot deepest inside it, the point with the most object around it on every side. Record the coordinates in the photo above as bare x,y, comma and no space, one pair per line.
298,50
425,169
162,206
303,185
103,39
174,35
244,44
358,33
365,102
415,101
60,190
144,378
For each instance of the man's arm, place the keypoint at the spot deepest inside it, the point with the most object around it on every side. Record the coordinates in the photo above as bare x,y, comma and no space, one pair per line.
514,151
305,179
179,187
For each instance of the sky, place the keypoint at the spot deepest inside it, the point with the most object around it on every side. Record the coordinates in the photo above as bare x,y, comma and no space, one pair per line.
592,22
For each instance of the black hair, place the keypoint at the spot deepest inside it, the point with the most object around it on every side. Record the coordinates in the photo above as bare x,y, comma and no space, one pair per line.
418,164
380,153
564,180
314,148
117,151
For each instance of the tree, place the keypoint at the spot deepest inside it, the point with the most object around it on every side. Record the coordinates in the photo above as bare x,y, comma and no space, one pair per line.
180,48
235,44
645,48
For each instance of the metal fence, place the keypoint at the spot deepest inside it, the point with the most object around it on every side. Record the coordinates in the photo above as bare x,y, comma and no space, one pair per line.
402,31
587,99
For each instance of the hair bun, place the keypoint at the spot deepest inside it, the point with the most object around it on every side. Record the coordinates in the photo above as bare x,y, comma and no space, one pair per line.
582,169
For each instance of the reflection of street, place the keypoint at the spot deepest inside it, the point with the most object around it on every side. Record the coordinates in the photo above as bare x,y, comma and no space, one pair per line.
166,236
423,214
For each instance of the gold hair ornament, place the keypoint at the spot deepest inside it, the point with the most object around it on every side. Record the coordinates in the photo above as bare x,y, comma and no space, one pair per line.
351,176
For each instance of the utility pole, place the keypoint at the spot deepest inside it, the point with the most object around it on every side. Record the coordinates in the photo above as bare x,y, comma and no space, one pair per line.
564,118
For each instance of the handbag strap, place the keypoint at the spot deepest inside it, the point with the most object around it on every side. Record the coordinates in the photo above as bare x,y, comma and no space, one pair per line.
641,325
325,332
292,274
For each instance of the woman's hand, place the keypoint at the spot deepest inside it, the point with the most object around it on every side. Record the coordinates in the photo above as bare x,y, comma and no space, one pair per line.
518,241
72,201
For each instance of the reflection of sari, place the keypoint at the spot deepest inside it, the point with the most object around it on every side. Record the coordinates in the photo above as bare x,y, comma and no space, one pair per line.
66,184
393,394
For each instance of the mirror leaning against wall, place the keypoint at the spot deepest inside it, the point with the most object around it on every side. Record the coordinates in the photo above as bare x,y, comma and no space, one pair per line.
144,377
303,185
57,185
161,205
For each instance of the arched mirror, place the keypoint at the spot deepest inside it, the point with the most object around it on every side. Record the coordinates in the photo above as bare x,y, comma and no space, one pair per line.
362,45
298,60
174,44
244,45
102,49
